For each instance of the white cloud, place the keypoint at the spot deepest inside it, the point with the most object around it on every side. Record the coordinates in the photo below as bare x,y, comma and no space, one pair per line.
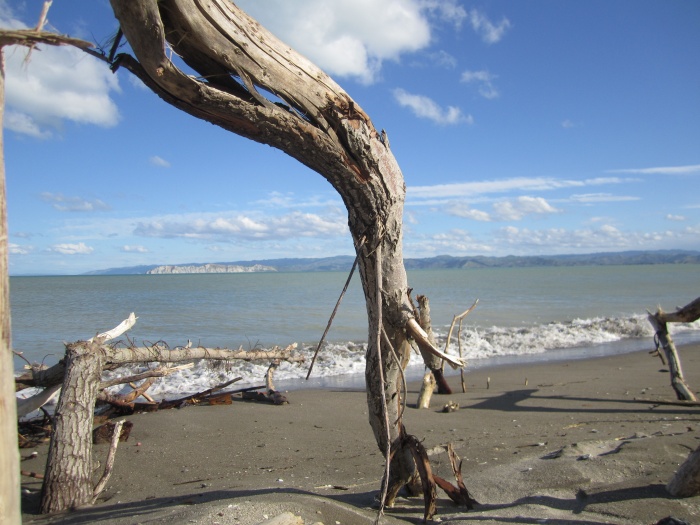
668,170
455,241
425,107
155,160
516,209
72,249
567,124
490,33
447,10
57,84
63,203
504,210
472,189
18,249
135,248
601,197
462,209
484,79
350,38
676,218
240,226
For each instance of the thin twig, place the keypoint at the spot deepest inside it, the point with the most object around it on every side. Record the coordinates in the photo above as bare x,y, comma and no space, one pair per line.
330,321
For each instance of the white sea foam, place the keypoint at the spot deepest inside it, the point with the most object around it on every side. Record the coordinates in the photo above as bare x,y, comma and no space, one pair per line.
482,345
347,359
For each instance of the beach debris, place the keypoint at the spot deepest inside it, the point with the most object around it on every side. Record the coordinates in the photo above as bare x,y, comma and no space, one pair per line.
450,406
663,340
670,520
104,433
459,494
554,455
426,390
420,456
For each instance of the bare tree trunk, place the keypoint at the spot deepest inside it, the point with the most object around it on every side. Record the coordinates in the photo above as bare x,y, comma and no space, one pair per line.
317,124
67,479
9,453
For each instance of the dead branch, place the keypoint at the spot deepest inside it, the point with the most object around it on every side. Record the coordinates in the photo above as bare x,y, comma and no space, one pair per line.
426,475
110,461
659,320
156,372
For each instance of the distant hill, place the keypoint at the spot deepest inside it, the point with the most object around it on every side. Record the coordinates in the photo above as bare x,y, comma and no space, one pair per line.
344,262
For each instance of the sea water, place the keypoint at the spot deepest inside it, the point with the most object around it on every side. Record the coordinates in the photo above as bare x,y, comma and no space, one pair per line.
523,314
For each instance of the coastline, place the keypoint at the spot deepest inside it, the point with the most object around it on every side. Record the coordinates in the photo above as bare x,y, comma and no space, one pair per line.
620,441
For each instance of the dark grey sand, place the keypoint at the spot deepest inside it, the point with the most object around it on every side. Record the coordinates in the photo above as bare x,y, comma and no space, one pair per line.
619,443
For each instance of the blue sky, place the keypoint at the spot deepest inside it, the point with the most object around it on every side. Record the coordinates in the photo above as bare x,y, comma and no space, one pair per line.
521,128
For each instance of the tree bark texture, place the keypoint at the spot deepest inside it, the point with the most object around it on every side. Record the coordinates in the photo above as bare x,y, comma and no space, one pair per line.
67,479
252,84
9,454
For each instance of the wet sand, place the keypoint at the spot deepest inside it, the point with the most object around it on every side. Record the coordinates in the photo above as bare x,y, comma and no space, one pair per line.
587,442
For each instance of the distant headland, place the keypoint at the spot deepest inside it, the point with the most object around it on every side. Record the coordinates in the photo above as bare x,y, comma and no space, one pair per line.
344,263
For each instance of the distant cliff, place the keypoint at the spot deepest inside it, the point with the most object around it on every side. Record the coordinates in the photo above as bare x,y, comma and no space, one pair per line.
209,268
343,263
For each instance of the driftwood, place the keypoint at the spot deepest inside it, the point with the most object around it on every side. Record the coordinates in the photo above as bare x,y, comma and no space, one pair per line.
426,390
420,456
659,320
686,482
70,449
459,494
109,464
105,433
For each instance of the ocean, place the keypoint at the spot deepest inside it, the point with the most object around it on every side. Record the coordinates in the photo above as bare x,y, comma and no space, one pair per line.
523,315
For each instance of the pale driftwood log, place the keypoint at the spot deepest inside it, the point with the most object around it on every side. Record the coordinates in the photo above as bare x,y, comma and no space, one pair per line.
109,463
686,482
426,390
659,320
67,481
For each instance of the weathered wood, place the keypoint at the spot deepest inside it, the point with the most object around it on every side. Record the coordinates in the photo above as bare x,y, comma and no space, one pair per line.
67,482
9,454
109,463
686,481
659,320
420,456
426,390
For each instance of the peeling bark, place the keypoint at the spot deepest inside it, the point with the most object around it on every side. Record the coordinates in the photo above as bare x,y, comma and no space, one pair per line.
239,63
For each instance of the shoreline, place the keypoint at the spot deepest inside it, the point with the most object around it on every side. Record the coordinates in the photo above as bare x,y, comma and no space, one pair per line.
611,419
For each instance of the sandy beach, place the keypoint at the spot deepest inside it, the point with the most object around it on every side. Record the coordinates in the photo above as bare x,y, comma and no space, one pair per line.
585,442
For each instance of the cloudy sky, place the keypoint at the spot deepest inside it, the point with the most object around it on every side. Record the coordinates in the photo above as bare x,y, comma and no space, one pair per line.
542,127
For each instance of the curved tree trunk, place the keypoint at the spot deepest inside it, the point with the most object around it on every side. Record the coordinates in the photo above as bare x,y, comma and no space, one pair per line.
313,120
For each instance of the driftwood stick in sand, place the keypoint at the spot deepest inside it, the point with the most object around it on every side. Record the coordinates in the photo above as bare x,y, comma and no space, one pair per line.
426,390
110,461
659,320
